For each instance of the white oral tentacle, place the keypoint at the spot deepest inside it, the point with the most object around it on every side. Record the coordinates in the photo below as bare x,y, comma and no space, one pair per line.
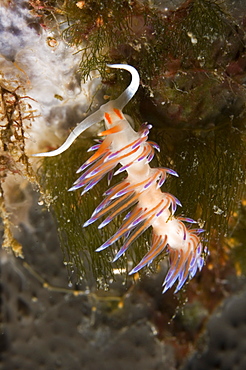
98,116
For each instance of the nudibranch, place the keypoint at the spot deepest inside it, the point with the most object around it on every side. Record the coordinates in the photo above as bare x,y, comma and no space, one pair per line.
140,191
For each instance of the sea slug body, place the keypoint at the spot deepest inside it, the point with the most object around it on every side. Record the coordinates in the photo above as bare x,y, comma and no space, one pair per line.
140,191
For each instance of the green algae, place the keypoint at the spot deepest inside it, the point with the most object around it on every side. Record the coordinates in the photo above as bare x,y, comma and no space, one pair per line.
210,187
210,162
142,35
71,210
211,166
181,55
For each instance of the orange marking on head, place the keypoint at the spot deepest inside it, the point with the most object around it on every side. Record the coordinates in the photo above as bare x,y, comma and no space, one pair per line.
108,118
112,130
118,112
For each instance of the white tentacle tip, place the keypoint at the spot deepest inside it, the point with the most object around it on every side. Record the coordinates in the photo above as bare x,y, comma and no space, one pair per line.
45,154
39,155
